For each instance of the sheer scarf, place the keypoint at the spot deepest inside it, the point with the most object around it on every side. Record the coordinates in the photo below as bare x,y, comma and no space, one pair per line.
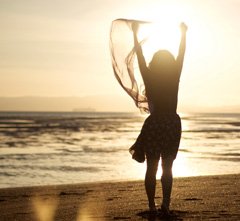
123,56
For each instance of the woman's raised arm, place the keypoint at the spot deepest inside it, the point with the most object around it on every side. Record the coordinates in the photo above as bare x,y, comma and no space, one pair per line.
141,60
182,48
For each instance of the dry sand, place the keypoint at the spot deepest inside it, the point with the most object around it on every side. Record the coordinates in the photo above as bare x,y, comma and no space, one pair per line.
194,198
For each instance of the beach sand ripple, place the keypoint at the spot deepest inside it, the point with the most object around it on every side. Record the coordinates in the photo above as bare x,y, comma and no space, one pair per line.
193,198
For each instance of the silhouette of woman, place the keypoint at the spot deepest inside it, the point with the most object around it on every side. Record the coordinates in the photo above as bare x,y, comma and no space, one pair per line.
161,132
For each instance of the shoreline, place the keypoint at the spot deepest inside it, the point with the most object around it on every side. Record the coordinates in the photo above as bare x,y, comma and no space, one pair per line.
193,198
102,182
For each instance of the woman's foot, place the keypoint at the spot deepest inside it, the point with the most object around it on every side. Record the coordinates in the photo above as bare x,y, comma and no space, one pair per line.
152,209
165,210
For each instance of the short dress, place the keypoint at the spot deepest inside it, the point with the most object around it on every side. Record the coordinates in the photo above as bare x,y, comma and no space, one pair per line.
160,137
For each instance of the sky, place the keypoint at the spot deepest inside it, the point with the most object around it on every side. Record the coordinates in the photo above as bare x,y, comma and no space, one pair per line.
61,48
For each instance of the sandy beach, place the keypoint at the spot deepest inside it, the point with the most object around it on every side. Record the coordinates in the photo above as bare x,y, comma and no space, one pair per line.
193,198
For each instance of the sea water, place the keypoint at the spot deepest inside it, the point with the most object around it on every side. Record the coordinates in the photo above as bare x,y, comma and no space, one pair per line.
41,148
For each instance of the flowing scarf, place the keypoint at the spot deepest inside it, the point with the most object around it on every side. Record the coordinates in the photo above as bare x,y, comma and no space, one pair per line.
123,55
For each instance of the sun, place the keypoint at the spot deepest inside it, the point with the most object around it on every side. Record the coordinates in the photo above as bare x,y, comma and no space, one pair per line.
158,36
163,31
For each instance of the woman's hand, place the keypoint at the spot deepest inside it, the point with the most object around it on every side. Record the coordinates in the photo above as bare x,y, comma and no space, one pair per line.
183,27
135,27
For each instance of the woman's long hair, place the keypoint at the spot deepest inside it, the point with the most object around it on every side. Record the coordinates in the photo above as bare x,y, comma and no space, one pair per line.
163,63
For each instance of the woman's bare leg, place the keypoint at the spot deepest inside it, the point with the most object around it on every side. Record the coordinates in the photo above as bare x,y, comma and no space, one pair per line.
167,180
150,181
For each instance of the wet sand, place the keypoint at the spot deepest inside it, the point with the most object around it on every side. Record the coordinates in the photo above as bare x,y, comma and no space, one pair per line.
193,198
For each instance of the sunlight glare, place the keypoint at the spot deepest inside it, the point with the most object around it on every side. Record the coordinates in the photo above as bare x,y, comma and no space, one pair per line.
160,36
45,209
163,32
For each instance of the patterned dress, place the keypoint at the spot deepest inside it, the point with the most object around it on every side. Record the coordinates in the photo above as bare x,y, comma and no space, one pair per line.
160,137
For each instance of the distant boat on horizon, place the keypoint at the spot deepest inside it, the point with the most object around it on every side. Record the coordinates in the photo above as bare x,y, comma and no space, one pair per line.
87,109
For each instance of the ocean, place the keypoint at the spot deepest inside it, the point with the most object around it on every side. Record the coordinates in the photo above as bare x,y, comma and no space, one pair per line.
42,148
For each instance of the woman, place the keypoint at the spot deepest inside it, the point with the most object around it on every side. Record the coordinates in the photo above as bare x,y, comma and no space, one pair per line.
161,132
